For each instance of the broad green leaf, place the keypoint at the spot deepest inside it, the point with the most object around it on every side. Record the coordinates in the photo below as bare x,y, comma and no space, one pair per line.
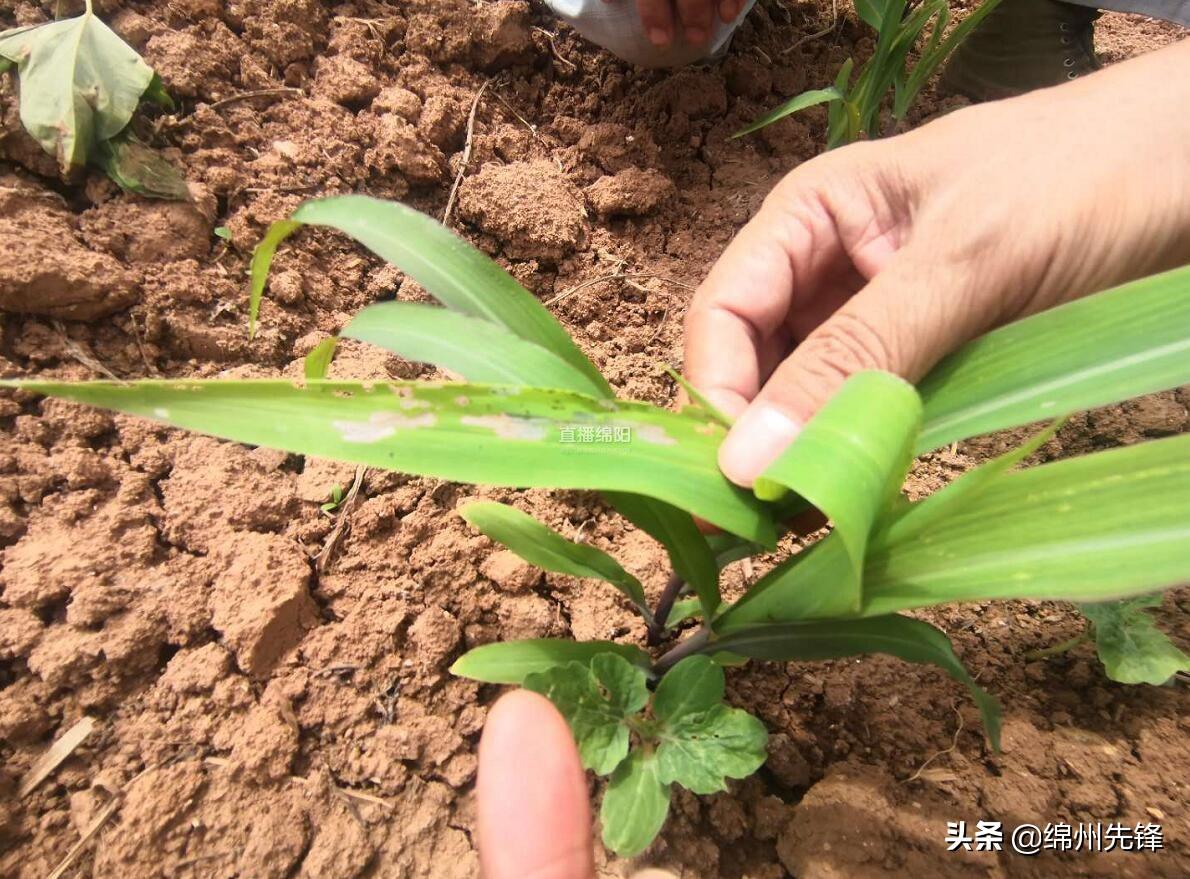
140,169
635,805
157,94
701,751
474,348
596,699
468,433
80,84
1131,647
450,269
795,104
900,636
1104,526
1121,343
544,547
693,686
689,552
850,461
318,361
510,662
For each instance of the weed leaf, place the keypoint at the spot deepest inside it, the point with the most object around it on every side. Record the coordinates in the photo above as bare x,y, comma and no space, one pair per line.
701,751
80,84
596,700
1131,647
540,545
693,686
635,805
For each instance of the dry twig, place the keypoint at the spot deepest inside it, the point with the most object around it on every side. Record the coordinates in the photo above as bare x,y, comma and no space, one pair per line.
283,92
822,33
623,276
82,355
454,189
345,508
953,745
554,48
62,748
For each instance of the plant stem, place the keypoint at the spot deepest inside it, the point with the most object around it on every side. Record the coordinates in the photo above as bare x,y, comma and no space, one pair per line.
696,643
1063,647
665,604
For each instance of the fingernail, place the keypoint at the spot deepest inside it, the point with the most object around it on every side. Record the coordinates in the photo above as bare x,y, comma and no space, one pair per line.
658,36
755,441
696,36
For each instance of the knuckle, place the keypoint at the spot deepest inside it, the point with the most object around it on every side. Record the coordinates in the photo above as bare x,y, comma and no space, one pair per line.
848,343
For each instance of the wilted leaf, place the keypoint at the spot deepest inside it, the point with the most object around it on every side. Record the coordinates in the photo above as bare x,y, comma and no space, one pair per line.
140,169
80,84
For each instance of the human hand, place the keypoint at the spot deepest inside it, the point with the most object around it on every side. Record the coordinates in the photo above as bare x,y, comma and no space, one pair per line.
891,254
534,817
696,18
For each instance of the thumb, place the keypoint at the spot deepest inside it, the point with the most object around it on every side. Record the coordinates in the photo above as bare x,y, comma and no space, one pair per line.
907,318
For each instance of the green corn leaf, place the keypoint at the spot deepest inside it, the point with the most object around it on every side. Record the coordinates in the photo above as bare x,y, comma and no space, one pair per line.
688,550
510,662
1110,525
938,50
596,698
1121,343
795,104
540,545
318,361
80,84
474,348
850,461
450,269
900,636
963,492
468,433
635,805
701,751
870,12
1131,647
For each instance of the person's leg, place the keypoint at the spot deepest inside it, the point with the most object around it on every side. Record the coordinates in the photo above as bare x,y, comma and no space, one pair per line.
1028,44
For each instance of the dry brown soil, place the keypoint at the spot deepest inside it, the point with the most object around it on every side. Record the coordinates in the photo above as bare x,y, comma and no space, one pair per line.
263,717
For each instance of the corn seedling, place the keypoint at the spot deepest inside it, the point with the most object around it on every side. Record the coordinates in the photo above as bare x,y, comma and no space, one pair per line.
533,411
80,85
855,103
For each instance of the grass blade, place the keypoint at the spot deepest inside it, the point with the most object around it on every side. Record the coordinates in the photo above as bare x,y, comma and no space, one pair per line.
793,105
493,435
544,547
1121,343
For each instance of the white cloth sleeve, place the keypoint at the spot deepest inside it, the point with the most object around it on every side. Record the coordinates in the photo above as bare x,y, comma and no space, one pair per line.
616,27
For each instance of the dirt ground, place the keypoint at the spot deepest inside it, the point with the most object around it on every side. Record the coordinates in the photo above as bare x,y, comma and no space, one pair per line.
263,713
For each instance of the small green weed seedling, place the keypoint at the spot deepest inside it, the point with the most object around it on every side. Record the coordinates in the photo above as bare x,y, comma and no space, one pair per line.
80,85
533,411
855,103
336,499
